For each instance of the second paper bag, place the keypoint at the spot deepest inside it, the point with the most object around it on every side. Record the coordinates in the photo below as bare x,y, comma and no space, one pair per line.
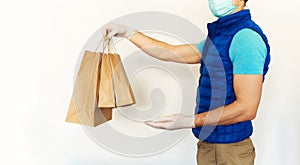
115,89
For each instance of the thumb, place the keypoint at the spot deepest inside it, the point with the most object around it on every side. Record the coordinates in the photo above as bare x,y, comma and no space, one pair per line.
112,33
106,29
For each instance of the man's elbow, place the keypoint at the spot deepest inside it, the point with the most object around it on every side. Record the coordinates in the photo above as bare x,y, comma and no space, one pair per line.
250,114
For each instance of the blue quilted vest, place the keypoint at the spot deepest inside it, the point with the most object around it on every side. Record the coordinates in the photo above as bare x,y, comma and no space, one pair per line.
216,81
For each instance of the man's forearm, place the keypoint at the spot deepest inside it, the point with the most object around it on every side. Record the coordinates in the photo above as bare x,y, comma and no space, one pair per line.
153,47
226,115
186,53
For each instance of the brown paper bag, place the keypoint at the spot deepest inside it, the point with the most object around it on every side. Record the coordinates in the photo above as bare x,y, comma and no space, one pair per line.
83,107
123,92
101,85
115,90
106,89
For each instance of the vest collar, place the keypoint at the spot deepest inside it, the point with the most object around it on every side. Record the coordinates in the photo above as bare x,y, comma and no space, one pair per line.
230,20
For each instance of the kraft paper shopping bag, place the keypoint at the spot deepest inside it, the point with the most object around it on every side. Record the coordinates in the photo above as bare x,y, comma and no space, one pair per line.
106,89
123,91
83,107
115,90
101,85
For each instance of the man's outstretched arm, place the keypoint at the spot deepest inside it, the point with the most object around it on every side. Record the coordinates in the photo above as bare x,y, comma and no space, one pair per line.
185,53
247,88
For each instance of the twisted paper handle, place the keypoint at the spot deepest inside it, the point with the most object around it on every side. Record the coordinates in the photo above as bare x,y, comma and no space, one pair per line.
107,44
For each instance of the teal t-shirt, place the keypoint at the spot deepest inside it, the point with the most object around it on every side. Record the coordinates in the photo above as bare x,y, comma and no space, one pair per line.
247,52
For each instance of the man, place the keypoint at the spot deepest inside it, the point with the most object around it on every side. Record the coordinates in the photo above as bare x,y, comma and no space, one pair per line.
234,59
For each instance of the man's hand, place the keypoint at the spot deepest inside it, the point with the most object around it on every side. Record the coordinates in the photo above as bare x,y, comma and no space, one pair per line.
173,122
113,29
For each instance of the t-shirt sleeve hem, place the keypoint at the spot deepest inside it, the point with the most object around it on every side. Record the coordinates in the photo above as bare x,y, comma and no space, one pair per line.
253,71
200,46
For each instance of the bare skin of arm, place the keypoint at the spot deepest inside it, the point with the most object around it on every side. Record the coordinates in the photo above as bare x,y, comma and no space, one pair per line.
187,53
248,89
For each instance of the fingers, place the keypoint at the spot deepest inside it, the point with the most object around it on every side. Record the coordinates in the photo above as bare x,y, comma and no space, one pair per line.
112,33
110,30
106,29
167,118
117,30
158,125
163,122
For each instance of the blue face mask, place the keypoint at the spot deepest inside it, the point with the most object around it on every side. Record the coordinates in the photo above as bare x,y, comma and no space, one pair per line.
221,8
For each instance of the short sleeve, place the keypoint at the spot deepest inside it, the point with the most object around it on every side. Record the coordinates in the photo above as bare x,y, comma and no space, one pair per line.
248,52
200,46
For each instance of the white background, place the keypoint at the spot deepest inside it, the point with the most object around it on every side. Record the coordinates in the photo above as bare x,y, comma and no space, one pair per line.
40,43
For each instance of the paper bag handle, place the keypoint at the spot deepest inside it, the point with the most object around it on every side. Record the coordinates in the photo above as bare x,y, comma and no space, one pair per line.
107,43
